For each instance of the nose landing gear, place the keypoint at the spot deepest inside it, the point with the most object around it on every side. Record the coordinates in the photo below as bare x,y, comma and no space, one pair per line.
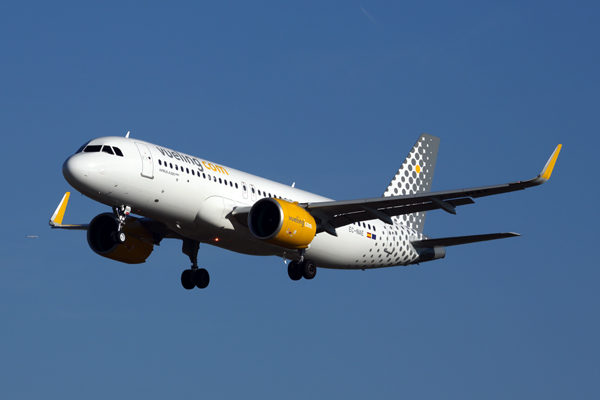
121,214
193,277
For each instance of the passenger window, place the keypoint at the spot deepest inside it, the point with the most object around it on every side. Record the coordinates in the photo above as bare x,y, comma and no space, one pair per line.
159,162
118,151
220,181
171,165
92,149
225,181
236,185
187,170
176,167
204,175
108,150
193,173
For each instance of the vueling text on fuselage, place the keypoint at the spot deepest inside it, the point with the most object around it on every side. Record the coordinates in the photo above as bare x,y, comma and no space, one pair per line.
192,160
216,168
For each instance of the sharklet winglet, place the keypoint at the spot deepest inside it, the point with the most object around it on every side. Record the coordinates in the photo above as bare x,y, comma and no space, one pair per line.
549,167
57,218
547,171
59,213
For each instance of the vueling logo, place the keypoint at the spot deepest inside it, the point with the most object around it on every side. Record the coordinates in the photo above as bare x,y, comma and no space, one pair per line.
192,160
301,222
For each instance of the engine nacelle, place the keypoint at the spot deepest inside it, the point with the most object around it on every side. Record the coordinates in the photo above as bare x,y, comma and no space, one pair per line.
282,223
137,247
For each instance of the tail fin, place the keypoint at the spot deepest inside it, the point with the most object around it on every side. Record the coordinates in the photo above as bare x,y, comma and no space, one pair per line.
415,176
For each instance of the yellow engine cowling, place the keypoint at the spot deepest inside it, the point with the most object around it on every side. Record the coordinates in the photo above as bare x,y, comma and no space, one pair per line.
137,247
282,223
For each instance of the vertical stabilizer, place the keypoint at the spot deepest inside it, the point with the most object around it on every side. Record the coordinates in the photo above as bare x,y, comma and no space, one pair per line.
415,176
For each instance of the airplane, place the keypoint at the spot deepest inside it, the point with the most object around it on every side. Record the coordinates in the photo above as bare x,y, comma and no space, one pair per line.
158,193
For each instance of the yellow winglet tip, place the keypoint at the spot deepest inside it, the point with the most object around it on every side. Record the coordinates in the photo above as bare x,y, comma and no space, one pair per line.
547,171
59,213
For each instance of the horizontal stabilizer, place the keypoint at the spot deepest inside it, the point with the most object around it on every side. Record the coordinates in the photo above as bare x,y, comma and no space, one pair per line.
456,240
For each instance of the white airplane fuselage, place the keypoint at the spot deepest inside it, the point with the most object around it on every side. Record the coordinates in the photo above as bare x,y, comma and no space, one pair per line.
195,199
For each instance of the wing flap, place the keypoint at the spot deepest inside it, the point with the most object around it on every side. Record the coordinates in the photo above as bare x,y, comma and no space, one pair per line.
340,220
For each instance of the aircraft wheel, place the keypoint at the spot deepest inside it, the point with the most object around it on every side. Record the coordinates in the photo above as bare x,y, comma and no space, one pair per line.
294,271
309,269
119,237
187,279
201,278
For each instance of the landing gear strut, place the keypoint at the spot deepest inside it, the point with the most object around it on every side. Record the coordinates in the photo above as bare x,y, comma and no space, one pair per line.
303,268
121,214
194,277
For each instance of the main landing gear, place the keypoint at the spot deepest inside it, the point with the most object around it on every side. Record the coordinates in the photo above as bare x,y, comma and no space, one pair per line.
194,277
303,268
121,214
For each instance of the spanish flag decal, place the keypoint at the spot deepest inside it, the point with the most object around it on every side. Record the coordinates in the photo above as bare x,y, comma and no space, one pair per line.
371,235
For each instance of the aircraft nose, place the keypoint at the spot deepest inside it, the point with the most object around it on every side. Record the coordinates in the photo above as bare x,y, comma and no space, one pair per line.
76,169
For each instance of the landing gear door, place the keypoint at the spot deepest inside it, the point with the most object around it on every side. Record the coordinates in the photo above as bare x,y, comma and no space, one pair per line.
147,162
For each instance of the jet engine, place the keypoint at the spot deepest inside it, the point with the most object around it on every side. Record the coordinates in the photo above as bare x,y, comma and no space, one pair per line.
138,244
282,223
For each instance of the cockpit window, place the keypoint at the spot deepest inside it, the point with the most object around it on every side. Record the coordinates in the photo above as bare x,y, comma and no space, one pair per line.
92,149
100,148
82,147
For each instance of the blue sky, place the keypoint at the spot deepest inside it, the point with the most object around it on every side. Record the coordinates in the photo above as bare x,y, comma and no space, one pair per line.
330,95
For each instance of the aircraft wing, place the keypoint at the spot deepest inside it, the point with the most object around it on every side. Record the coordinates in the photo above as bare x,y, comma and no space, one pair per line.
335,214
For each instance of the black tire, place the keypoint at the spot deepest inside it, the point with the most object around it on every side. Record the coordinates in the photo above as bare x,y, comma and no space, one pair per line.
309,269
294,271
201,278
119,237
187,279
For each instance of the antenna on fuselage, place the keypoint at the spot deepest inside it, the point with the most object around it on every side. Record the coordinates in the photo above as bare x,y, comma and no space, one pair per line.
294,184
127,136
